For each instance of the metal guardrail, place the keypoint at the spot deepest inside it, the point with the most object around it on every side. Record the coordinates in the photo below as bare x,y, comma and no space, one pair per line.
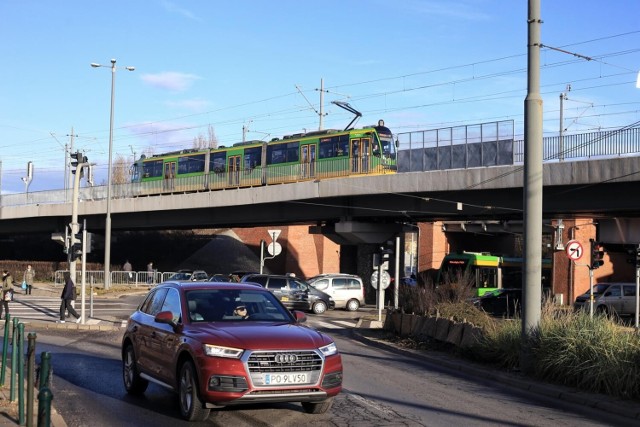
272,174
119,278
485,145
493,144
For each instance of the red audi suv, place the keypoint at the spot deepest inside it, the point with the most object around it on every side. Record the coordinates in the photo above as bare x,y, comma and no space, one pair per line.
220,344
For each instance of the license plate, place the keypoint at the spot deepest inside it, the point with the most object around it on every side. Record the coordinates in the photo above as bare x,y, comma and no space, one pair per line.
285,299
280,379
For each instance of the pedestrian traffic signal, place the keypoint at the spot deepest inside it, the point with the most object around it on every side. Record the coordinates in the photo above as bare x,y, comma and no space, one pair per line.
597,254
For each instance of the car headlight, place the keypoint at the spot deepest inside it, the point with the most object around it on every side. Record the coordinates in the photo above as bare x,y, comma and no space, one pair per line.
329,350
219,351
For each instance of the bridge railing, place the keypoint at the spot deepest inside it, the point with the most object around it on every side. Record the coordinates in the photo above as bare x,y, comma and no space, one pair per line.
451,148
491,145
118,278
258,176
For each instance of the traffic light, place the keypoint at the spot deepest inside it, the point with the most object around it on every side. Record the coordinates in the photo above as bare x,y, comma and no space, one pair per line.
75,251
77,159
597,254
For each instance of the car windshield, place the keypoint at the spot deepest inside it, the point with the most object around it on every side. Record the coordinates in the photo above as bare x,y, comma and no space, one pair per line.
599,289
181,276
232,305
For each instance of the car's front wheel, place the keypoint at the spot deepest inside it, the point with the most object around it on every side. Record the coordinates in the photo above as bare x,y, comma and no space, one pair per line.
133,383
191,406
353,305
317,407
319,307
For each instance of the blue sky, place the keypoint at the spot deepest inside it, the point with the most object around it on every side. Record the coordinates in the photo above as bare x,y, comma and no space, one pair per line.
417,64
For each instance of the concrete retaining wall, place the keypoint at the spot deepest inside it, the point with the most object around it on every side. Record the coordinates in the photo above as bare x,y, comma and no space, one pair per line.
462,335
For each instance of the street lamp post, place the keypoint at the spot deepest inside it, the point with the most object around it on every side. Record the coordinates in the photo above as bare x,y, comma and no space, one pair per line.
107,224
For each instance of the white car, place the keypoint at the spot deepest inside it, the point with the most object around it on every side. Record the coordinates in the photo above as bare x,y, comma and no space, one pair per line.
347,290
614,298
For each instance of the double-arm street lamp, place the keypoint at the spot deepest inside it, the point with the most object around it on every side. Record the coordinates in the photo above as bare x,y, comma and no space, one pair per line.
107,224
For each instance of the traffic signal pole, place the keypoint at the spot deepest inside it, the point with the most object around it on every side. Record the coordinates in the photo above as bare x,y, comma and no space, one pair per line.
75,227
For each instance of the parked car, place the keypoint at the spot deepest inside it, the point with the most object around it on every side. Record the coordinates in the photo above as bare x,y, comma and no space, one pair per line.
294,293
613,298
220,278
226,344
347,290
190,275
503,302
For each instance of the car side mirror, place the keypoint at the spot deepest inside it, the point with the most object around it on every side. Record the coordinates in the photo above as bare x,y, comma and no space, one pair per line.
165,317
300,316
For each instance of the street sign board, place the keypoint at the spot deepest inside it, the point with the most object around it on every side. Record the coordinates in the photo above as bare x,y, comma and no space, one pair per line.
274,234
385,280
574,250
274,248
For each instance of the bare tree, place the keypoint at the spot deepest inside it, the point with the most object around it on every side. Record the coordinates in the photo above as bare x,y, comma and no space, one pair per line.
120,171
202,142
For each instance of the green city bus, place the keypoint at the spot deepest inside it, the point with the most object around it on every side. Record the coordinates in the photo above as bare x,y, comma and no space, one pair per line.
487,272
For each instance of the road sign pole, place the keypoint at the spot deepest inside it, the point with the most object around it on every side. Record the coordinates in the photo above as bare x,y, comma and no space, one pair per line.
637,294
380,292
591,292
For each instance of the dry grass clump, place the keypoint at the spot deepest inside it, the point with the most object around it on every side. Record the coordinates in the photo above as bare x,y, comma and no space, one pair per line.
570,348
593,354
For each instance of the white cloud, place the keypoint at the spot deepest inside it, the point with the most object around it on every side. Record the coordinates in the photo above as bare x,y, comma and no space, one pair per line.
170,80
173,8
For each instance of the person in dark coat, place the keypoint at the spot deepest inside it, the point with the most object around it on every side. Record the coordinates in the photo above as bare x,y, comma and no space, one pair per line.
7,286
68,295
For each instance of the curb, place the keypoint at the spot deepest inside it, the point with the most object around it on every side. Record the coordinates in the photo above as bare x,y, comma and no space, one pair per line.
613,405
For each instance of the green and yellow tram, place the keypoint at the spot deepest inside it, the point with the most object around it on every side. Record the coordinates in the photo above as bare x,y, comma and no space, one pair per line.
305,156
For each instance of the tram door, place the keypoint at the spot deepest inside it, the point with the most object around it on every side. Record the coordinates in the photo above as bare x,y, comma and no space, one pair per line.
308,157
233,170
169,176
365,144
356,156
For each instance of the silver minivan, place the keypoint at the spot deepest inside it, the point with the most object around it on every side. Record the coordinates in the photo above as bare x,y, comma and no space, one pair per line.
347,290
615,298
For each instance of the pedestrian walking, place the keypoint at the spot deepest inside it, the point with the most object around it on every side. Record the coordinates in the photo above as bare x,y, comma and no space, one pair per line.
127,268
7,292
68,295
28,278
150,273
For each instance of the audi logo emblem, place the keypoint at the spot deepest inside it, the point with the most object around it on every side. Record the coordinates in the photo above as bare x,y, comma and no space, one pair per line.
286,358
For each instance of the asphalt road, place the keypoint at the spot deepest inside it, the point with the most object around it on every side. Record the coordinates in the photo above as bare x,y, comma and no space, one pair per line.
382,387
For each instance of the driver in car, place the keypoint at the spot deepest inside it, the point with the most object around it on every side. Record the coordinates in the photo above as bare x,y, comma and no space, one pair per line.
241,311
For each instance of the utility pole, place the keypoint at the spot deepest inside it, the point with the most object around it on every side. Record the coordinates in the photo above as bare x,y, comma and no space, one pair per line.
321,104
532,187
563,97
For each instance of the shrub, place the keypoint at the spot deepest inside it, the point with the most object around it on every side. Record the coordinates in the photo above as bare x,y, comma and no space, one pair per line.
593,354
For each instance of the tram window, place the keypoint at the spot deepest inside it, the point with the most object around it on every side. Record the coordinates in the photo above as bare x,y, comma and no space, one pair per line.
218,162
333,147
252,157
191,164
283,153
152,169
486,277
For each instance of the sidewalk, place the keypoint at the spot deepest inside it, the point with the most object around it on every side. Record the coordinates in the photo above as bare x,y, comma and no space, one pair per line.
53,291
8,408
